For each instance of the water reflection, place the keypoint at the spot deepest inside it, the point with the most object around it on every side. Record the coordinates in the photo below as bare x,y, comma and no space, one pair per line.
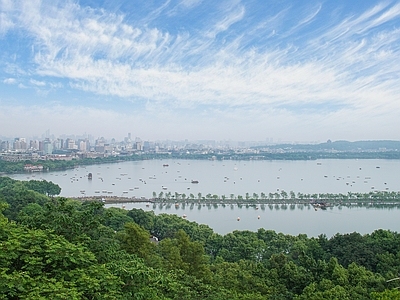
277,207
287,218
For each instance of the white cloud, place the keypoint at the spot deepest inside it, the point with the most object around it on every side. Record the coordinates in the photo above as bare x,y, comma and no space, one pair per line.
232,15
190,3
10,81
37,82
349,63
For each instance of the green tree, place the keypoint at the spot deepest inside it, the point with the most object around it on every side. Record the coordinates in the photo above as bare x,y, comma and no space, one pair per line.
143,218
136,240
186,255
37,264
116,218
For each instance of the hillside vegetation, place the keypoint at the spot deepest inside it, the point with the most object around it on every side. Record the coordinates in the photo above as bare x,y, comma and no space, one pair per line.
56,248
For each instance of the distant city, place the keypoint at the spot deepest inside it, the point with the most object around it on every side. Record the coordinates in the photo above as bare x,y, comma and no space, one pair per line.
86,146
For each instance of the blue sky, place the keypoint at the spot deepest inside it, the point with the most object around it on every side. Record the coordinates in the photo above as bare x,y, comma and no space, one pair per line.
201,69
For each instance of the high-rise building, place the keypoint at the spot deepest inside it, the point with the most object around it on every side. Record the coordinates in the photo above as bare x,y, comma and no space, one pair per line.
58,144
20,144
5,146
71,145
34,144
47,147
82,146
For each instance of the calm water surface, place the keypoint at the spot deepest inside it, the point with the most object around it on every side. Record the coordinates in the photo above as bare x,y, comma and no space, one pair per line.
142,178
289,221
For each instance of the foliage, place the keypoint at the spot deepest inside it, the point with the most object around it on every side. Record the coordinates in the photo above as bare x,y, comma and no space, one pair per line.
57,248
39,264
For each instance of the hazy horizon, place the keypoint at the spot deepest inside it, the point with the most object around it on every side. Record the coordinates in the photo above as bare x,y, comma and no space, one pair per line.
201,70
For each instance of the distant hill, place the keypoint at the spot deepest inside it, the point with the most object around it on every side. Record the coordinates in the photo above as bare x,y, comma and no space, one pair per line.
341,146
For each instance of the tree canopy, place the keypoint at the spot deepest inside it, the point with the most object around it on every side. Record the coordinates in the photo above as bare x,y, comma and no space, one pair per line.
57,248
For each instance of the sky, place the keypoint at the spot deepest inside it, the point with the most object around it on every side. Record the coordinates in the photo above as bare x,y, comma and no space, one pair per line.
250,70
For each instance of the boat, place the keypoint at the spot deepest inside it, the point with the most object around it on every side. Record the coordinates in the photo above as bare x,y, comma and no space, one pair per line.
195,181
321,205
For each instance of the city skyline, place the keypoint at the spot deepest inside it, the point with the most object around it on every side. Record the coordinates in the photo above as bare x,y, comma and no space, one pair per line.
201,70
127,139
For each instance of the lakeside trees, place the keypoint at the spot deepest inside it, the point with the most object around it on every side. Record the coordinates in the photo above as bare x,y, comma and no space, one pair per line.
56,248
282,197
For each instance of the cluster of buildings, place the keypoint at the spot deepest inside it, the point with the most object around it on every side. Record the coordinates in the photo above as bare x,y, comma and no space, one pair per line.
75,147
66,148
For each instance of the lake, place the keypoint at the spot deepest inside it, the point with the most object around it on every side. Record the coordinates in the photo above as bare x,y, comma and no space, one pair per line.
289,220
142,178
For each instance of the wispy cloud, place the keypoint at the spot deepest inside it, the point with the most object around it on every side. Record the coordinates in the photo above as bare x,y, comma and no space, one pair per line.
233,14
37,83
236,59
10,81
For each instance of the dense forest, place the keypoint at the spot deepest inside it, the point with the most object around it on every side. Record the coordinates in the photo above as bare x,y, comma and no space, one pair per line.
56,248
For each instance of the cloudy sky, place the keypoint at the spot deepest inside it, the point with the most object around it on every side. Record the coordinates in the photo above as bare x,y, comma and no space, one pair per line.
201,69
